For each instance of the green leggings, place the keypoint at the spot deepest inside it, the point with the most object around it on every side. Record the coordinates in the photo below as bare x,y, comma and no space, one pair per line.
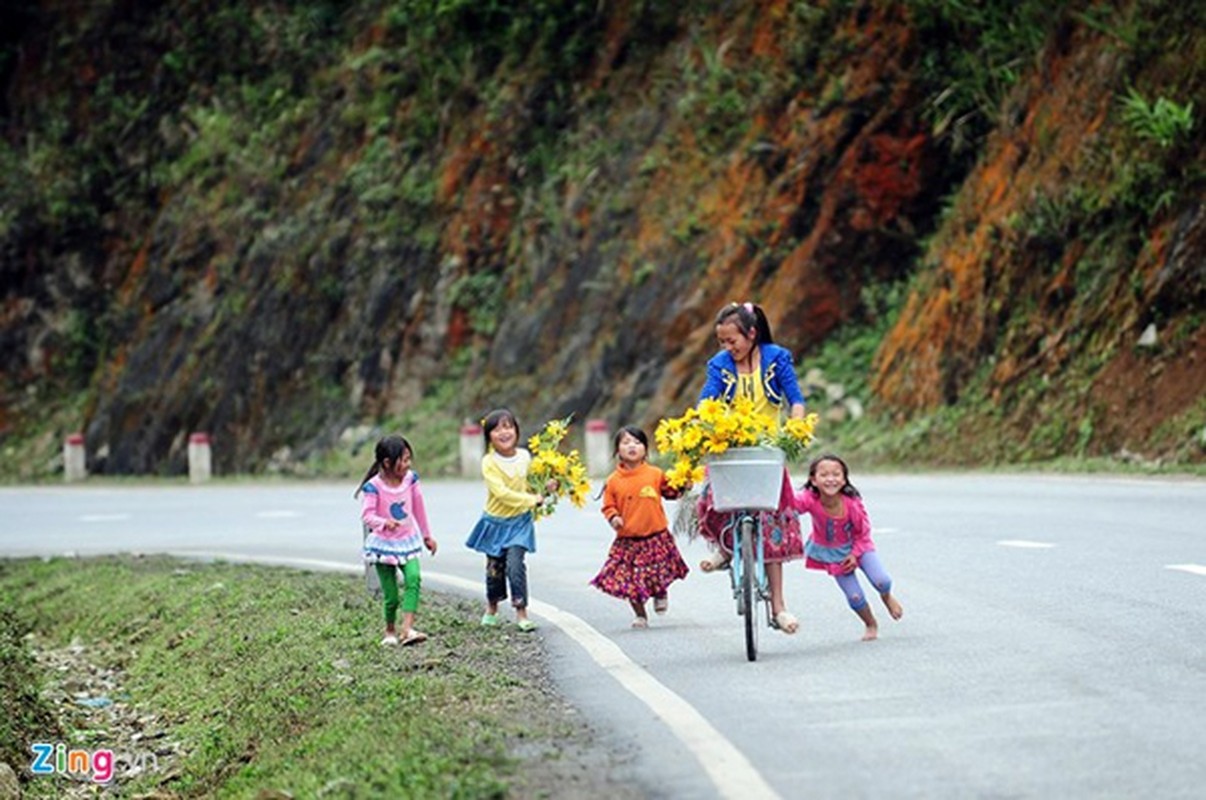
387,575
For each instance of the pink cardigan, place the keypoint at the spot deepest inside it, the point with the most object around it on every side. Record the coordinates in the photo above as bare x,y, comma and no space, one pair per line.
834,538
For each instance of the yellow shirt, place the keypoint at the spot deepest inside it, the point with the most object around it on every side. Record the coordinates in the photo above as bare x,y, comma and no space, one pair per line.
507,492
750,386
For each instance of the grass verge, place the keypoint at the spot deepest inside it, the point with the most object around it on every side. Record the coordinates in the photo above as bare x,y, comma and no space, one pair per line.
248,681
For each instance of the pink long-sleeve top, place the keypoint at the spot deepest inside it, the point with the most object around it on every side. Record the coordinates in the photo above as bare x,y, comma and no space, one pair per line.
834,537
404,503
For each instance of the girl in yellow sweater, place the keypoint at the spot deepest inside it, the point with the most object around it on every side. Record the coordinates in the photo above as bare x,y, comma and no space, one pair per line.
643,560
506,533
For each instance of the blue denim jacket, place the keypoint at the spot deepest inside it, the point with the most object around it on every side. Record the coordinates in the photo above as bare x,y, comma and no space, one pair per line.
778,376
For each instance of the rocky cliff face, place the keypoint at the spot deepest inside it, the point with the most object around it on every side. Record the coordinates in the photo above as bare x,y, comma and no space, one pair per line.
371,214
1072,238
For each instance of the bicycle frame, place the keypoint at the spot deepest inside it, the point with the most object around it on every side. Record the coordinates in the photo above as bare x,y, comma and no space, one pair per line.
748,579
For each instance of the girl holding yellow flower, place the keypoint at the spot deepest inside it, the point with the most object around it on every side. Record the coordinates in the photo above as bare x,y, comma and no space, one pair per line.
506,533
752,367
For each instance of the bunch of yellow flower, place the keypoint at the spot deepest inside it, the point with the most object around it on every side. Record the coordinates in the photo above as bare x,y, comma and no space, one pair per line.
715,425
549,463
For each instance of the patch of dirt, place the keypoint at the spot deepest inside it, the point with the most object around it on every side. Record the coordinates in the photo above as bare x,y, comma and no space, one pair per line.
1142,390
560,755
572,764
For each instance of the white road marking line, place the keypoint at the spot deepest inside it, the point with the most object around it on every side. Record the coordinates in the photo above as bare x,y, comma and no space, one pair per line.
102,517
1193,569
1024,543
731,772
277,514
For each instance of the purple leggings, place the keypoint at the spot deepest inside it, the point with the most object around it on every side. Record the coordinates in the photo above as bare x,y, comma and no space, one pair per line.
873,568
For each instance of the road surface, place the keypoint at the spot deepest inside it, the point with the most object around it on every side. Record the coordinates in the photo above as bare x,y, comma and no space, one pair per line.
1053,642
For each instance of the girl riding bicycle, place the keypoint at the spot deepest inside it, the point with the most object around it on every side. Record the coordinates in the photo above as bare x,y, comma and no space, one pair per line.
750,364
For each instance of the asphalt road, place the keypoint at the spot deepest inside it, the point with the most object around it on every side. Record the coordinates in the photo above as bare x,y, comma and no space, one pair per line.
1053,642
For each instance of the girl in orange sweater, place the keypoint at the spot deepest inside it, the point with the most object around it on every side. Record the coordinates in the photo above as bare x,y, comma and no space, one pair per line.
643,560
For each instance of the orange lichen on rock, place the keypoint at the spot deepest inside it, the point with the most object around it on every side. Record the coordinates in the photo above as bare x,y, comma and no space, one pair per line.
133,281
888,177
1064,98
909,363
615,37
764,42
461,158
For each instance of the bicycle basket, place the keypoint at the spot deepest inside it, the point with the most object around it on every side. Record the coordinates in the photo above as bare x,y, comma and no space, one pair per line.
746,478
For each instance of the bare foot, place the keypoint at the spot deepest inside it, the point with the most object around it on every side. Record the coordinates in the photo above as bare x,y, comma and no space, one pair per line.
893,607
871,634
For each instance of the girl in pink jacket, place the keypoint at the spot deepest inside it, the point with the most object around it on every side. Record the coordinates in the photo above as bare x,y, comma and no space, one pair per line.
841,538
396,531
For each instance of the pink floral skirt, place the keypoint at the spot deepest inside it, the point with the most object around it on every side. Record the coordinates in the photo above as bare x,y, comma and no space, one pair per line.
640,568
781,539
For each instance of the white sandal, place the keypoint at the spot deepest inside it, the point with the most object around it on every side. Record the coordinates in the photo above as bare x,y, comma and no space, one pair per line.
717,561
787,622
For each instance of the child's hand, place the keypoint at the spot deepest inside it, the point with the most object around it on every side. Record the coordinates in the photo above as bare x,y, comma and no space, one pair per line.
391,524
849,563
432,545
617,522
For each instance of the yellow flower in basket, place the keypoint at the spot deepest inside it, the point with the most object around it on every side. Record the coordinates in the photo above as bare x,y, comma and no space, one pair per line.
550,463
714,426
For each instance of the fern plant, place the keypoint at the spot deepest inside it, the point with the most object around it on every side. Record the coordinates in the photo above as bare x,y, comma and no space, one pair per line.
1163,122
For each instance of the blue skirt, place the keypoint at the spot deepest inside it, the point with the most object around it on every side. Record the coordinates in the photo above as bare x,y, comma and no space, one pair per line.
492,535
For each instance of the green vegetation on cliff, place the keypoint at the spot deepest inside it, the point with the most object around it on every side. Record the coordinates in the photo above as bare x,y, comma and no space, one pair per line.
294,224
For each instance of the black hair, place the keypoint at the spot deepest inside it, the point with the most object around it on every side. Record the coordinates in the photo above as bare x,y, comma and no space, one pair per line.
634,432
389,449
847,490
747,316
494,418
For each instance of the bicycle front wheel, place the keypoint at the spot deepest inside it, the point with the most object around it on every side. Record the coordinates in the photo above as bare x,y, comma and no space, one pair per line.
749,588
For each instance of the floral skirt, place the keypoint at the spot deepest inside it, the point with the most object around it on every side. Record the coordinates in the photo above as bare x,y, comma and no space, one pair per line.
640,568
781,539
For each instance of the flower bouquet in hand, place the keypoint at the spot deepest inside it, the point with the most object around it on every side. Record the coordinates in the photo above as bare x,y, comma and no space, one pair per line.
553,473
715,425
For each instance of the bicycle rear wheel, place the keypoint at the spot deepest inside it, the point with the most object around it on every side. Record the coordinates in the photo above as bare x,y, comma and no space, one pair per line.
749,588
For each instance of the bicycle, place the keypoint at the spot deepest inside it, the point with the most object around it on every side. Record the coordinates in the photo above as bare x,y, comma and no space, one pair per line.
747,575
744,481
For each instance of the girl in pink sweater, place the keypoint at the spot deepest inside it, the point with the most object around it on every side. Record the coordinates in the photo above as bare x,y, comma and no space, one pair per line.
396,531
841,538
